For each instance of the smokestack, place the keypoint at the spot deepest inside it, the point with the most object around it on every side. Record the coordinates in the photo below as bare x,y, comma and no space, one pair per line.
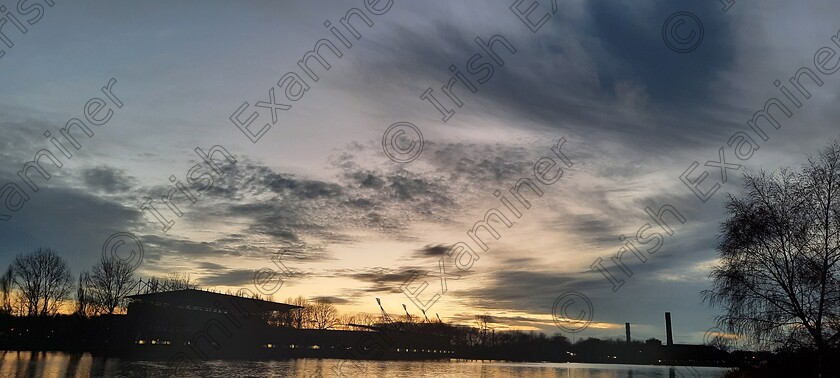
627,331
668,331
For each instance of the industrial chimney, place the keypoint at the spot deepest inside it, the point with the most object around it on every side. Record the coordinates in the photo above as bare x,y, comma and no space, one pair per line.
668,331
627,331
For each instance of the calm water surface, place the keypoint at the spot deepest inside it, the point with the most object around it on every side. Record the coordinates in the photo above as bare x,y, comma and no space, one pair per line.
55,364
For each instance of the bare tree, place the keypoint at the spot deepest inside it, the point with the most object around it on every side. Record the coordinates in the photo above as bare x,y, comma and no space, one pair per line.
111,280
247,293
6,282
175,281
83,299
344,320
323,315
365,319
43,279
178,281
483,324
298,317
778,279
722,342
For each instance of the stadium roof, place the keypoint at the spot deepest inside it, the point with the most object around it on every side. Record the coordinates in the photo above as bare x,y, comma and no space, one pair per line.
207,300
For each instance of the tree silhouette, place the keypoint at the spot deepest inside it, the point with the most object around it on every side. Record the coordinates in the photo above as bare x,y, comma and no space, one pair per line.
323,314
83,300
7,280
43,279
778,275
175,281
298,317
111,280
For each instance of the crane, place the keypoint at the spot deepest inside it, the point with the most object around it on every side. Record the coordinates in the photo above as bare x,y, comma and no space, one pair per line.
408,316
424,315
385,318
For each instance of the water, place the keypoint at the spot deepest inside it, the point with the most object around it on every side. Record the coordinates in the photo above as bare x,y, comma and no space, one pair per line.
57,364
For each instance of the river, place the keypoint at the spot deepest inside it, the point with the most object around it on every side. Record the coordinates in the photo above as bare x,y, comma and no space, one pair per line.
57,364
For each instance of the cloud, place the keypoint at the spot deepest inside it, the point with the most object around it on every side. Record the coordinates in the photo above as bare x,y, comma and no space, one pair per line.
331,299
233,277
597,69
107,179
75,222
210,266
383,280
530,291
433,250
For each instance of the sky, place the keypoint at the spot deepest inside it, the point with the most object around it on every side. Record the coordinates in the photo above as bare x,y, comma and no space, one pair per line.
351,223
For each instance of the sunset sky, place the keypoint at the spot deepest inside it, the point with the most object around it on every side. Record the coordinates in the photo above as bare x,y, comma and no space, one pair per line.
354,224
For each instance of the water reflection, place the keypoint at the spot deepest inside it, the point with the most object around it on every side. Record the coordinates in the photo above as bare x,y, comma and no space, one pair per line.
56,364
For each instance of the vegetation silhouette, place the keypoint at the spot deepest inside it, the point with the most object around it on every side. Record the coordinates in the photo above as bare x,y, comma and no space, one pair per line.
778,277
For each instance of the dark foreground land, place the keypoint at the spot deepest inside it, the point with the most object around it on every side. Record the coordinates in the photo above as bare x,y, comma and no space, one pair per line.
115,335
120,335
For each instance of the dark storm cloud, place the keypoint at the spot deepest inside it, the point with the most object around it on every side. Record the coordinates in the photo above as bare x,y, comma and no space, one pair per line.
386,279
520,261
333,300
395,186
20,140
631,47
288,208
283,184
473,163
692,243
597,230
107,179
233,277
283,207
172,246
527,290
282,221
606,74
399,197
383,280
210,266
508,321
433,250
74,222
359,189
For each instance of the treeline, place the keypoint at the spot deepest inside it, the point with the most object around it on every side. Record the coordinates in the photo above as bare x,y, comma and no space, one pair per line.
39,283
